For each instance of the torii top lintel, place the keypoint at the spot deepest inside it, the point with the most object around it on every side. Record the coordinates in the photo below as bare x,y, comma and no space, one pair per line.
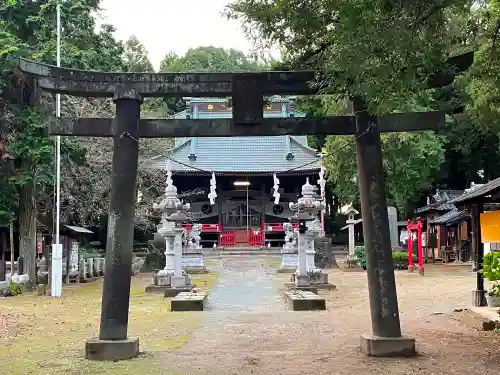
102,84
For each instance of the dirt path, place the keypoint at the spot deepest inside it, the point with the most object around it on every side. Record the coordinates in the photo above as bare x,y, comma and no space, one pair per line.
248,329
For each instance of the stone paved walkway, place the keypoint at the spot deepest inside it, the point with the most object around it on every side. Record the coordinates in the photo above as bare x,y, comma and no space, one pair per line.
248,329
245,284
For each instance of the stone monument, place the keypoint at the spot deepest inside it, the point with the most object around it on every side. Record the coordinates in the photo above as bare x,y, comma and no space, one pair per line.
192,256
172,279
392,215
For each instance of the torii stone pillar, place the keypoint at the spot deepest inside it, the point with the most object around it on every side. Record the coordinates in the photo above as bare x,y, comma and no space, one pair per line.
113,342
385,338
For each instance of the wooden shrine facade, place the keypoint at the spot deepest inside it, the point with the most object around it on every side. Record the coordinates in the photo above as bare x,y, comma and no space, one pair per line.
446,228
482,203
244,212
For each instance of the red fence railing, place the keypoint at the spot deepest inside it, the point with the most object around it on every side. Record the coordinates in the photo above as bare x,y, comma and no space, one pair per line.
256,238
210,228
227,239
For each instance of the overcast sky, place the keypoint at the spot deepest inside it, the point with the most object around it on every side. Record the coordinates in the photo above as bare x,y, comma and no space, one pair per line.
174,25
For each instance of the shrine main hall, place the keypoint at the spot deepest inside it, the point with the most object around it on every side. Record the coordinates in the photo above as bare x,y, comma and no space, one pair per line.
244,212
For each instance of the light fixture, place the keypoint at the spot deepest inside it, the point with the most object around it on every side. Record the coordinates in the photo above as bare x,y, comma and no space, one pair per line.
241,183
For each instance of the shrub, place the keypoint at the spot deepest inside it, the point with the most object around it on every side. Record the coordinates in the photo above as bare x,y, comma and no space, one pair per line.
12,290
360,256
400,259
491,271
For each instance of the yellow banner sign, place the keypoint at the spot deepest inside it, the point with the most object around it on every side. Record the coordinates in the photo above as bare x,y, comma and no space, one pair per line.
490,227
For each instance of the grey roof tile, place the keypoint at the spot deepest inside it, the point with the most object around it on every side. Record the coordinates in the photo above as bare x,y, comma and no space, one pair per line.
478,191
240,154
441,201
450,217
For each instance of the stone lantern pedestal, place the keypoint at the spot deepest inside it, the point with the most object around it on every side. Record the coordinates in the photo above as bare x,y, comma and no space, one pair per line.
192,256
171,280
308,275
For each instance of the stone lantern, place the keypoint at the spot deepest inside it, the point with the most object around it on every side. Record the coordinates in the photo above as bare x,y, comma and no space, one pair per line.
351,222
306,209
172,279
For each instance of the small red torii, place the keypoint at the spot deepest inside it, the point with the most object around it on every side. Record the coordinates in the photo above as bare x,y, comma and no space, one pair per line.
417,227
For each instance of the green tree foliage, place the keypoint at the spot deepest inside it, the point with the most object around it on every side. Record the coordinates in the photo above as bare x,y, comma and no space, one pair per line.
484,81
207,59
382,50
210,59
135,56
28,29
385,51
410,160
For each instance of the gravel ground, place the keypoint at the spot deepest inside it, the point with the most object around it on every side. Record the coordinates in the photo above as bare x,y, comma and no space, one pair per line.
259,334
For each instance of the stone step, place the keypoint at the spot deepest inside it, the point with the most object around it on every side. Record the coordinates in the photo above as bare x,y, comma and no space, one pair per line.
301,300
188,301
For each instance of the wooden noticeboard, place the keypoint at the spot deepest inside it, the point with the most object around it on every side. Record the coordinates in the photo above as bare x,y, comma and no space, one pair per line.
490,226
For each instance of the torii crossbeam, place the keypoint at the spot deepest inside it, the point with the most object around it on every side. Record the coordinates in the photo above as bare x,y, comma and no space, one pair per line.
247,91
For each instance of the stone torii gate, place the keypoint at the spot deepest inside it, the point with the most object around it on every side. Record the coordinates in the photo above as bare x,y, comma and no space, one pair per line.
247,91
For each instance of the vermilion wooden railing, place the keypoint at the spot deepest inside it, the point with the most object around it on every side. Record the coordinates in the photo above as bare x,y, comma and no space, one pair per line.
227,239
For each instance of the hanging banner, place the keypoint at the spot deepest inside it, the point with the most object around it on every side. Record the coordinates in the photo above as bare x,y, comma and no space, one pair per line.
490,227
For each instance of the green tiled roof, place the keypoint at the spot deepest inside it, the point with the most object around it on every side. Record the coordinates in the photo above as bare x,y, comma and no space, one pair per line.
269,154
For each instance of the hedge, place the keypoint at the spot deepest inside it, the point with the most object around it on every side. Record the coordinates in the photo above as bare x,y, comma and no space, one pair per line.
400,259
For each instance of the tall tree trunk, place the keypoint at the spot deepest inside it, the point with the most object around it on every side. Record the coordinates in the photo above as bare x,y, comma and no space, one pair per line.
27,228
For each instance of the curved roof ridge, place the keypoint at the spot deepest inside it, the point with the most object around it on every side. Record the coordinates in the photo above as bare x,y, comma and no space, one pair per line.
306,148
168,154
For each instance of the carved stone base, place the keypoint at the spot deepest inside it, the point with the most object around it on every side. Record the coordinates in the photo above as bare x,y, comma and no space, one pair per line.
193,261
180,281
104,350
376,346
351,261
289,261
316,277
301,280
159,289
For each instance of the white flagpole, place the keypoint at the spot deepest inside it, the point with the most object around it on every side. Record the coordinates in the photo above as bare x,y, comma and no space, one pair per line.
57,248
